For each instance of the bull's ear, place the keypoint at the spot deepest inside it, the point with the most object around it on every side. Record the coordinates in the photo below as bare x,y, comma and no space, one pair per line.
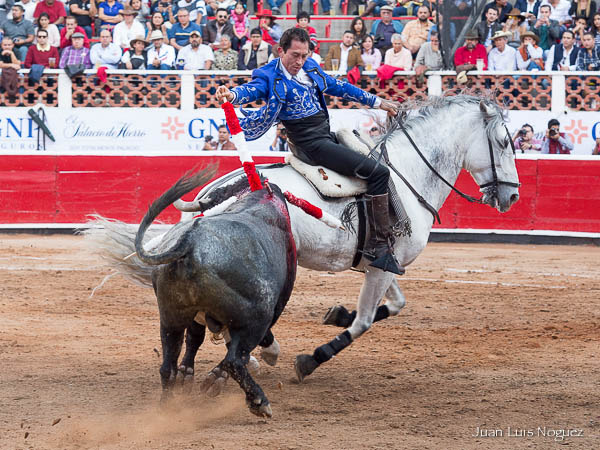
486,109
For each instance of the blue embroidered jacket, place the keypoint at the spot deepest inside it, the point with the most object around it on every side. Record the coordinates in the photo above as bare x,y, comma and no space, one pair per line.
289,99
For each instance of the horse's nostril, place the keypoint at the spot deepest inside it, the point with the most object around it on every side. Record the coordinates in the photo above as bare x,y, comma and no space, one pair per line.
514,198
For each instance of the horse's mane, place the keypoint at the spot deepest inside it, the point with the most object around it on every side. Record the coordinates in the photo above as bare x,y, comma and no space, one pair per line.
413,113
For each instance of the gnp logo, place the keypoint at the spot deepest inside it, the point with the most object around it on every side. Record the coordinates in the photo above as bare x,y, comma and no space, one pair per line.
172,128
577,131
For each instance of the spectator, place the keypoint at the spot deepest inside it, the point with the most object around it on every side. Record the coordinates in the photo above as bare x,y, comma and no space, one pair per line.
195,55
515,25
398,56
76,53
109,13
8,57
502,56
559,11
225,57
529,55
107,53
255,53
383,29
280,143
55,9
371,56
563,56
438,19
224,142
165,9
556,142
374,4
160,56
488,28
303,20
84,12
135,57
415,32
596,149
525,141
5,7
179,34
595,27
142,11
313,54
218,27
53,35
209,143
271,32
359,30
127,29
70,28
29,7
583,8
429,57
346,54
503,8
589,56
42,51
20,30
466,57
195,8
579,28
529,9
548,30
241,25
157,22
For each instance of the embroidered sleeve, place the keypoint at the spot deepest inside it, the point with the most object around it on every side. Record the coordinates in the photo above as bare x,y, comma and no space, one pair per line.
347,91
250,92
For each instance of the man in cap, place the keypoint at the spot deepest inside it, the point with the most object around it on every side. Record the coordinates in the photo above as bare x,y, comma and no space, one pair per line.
127,29
107,53
160,56
529,55
502,56
76,53
383,29
195,55
179,34
465,58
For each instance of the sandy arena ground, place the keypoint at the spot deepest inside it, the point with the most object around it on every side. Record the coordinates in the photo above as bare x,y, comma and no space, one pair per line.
500,337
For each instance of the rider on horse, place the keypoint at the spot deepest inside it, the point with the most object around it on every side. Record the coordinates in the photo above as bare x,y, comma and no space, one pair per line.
293,86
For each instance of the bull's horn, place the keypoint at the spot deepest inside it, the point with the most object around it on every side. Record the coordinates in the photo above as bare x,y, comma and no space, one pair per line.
184,206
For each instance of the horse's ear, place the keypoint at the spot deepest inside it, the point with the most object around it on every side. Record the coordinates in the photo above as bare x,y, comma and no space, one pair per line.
486,109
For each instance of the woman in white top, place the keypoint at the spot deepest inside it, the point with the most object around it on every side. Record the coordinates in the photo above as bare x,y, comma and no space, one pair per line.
371,56
398,55
53,33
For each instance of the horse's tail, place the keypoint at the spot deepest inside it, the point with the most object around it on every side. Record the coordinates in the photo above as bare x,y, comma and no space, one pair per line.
185,184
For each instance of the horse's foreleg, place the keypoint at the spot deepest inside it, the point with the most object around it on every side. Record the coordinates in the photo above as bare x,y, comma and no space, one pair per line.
339,316
194,338
372,291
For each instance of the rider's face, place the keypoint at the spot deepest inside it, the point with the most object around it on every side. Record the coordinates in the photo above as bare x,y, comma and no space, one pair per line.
295,57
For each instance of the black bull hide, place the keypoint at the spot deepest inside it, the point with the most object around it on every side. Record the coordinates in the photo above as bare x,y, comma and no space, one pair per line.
238,268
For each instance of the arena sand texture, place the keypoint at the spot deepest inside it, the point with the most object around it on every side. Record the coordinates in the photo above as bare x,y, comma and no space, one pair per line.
493,336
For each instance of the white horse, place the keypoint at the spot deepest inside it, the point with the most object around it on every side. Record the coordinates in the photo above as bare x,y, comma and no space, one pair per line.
453,133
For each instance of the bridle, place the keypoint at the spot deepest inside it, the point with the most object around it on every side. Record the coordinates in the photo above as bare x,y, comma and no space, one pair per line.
491,186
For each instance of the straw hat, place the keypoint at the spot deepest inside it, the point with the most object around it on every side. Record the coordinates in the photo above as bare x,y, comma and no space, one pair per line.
532,35
501,34
155,35
462,78
138,39
128,12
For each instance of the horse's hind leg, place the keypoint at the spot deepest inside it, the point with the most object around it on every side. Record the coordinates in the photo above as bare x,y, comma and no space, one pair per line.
172,341
194,338
341,317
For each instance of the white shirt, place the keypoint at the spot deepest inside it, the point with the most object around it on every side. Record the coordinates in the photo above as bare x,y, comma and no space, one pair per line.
166,55
530,6
563,62
123,35
560,13
344,58
109,56
507,60
195,59
534,53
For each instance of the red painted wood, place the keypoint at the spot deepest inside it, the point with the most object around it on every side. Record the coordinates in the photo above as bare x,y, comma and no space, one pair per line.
555,194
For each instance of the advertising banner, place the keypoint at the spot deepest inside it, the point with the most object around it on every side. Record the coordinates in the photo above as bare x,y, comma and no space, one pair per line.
168,131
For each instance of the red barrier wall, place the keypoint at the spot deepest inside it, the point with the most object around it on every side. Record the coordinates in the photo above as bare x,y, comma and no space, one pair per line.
561,195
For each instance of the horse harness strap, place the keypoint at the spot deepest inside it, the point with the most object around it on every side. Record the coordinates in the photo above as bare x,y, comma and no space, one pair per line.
362,230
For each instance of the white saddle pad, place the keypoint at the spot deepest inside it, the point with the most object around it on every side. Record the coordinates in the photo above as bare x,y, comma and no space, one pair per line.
328,182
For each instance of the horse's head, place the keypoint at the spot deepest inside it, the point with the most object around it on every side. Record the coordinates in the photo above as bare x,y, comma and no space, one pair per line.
491,160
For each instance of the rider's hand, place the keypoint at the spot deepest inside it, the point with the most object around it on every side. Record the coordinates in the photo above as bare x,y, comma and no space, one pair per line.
224,94
390,107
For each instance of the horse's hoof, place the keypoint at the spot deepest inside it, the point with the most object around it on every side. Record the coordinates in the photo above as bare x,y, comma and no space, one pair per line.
253,366
304,365
262,410
338,316
270,354
214,382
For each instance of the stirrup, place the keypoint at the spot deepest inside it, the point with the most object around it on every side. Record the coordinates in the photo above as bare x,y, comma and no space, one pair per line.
388,263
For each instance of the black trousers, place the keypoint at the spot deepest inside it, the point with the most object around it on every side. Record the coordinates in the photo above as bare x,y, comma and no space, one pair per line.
311,141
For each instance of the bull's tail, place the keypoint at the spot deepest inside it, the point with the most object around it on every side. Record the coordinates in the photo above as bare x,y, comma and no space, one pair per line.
185,184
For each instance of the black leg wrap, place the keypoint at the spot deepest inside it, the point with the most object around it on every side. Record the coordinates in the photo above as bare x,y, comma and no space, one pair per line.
339,316
382,313
326,352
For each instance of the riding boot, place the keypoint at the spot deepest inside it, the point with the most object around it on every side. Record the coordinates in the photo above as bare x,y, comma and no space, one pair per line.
379,248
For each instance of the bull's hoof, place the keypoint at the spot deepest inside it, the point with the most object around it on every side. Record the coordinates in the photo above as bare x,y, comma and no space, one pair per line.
253,366
262,409
186,377
270,354
304,365
338,316
214,382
